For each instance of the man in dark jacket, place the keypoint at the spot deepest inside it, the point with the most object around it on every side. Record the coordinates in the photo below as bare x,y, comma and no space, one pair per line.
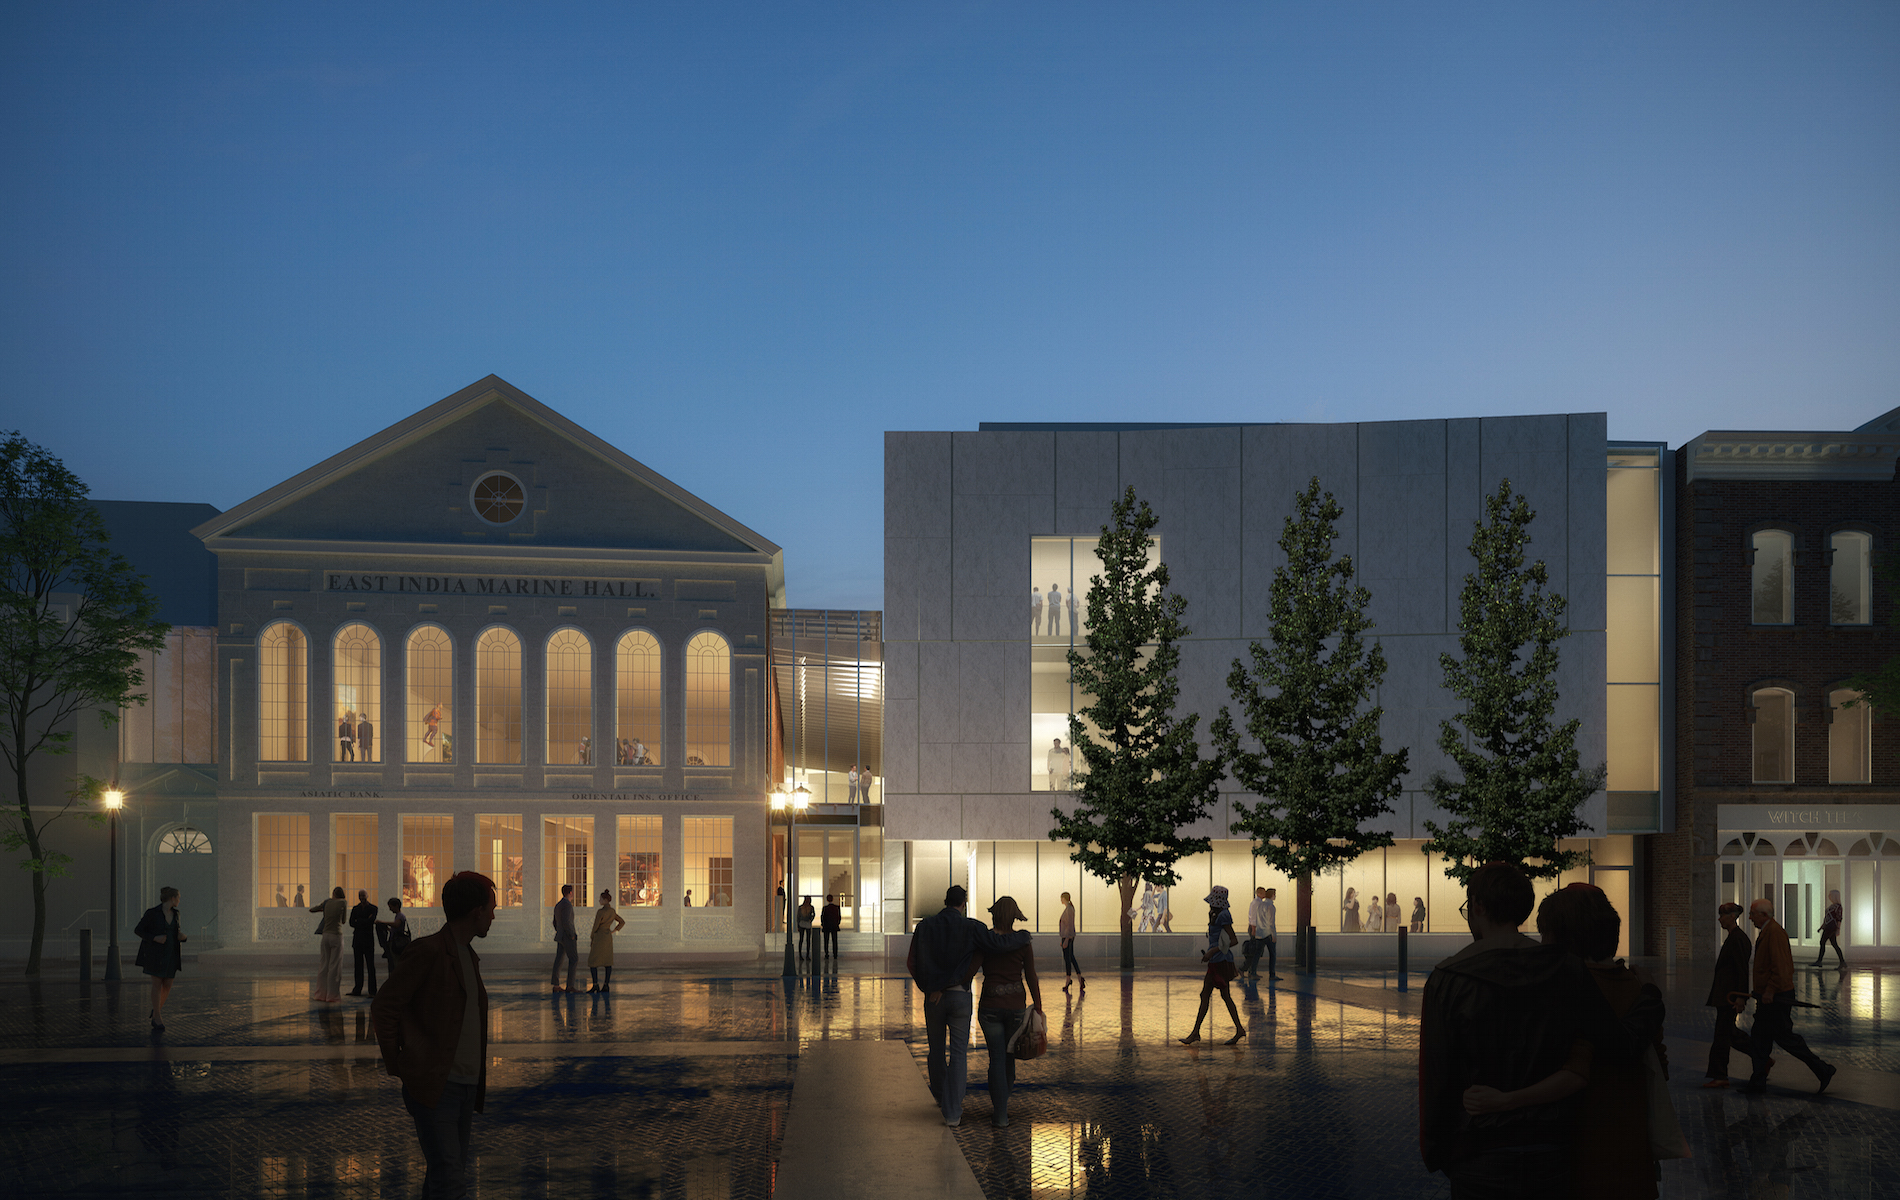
1731,978
830,920
363,941
943,961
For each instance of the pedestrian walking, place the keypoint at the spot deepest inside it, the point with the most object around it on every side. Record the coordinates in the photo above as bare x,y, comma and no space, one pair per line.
1008,976
432,1027
1831,931
600,944
327,987
1262,919
1728,995
1219,957
806,915
363,942
394,930
942,961
566,941
1065,930
161,950
1773,979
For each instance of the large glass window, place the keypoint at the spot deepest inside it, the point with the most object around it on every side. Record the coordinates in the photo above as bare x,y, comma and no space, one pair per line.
567,854
1061,570
283,859
283,694
1771,581
428,857
708,701
1849,738
1850,598
637,718
1774,735
498,855
1633,629
431,688
707,845
356,669
570,698
353,846
639,862
498,696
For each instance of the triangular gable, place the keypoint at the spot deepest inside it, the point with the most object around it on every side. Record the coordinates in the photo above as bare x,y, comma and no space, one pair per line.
409,485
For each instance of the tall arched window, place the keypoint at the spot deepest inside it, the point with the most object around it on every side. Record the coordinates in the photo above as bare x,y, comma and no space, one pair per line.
1850,599
637,729
708,701
1774,735
283,694
430,678
356,669
498,696
570,698
1771,578
1850,736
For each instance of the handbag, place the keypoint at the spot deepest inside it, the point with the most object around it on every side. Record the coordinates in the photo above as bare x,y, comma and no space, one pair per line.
1665,1134
1031,1039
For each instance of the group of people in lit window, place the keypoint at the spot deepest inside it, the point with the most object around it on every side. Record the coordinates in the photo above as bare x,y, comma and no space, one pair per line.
1050,607
355,735
1378,917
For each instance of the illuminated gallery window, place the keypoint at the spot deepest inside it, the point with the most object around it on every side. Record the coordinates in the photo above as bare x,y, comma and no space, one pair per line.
637,700
184,840
567,852
353,849
1061,570
283,694
498,855
283,860
356,669
707,843
1774,735
639,862
498,696
430,679
708,701
1850,600
1849,738
1771,579
570,698
428,857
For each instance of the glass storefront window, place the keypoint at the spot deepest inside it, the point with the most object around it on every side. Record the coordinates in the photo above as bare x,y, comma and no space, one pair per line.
639,862
1771,580
428,857
1774,735
430,686
708,701
637,720
283,860
707,845
498,696
1849,579
567,857
354,847
570,659
283,694
498,851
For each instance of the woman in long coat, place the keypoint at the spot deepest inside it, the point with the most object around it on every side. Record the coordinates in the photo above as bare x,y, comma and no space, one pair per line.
161,950
600,946
328,985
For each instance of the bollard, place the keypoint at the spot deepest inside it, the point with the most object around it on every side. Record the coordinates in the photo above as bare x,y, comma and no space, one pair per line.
1402,959
85,956
1669,951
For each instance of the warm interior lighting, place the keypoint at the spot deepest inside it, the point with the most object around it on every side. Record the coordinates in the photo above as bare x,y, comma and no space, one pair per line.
114,798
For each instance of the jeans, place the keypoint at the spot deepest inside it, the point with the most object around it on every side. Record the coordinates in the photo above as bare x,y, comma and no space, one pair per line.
365,962
999,1025
1774,1025
947,1025
1512,1173
566,945
443,1132
1068,959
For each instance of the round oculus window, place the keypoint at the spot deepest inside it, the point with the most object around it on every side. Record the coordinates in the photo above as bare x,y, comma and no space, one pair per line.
498,497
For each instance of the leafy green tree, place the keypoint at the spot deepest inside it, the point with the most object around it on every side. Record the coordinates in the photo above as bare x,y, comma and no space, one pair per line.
1520,779
1321,771
1144,777
73,618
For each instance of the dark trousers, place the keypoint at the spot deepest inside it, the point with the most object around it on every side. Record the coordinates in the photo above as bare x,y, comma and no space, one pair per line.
444,1134
804,940
1830,939
365,963
1727,1037
1069,965
566,945
998,1026
1512,1173
831,942
1774,1026
947,1031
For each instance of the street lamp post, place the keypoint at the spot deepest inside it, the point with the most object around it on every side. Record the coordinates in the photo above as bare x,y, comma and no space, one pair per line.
114,800
792,805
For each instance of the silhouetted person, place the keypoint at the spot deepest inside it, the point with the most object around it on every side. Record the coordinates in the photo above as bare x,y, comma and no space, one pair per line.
161,950
363,941
566,940
942,961
806,916
365,737
829,922
1831,931
1774,1002
1731,980
1219,957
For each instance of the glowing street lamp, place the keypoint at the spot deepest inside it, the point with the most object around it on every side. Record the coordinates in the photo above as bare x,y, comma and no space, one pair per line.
114,801
795,802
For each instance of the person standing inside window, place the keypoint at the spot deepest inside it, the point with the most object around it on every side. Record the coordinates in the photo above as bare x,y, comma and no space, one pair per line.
365,737
346,738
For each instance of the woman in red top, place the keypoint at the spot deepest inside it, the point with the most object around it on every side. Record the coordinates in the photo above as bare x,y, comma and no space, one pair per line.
1002,1010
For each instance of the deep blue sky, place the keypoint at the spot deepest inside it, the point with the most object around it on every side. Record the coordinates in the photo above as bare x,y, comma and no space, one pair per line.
740,241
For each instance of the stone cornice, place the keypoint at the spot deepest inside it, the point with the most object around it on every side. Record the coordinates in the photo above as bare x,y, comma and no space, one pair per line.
1868,457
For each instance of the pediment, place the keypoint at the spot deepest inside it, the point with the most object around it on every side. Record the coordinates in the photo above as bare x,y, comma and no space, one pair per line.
489,467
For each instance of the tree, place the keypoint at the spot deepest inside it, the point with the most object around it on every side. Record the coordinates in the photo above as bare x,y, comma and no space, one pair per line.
73,618
1520,781
1321,771
1144,778
1879,686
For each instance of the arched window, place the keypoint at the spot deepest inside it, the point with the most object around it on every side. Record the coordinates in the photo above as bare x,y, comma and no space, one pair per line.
1771,580
708,701
1774,735
637,729
430,680
356,668
570,698
1850,736
283,694
498,696
184,840
1849,577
